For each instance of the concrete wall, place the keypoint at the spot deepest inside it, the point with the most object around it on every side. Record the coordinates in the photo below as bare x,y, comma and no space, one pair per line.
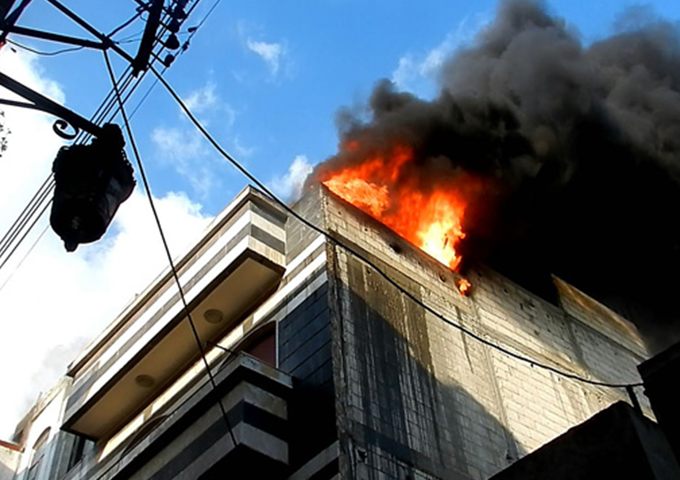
384,389
42,427
9,461
617,442
417,398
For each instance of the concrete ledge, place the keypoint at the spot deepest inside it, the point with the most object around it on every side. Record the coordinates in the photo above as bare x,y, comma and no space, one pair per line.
194,437
616,443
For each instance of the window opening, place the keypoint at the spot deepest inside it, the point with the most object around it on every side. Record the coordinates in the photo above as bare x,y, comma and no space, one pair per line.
39,449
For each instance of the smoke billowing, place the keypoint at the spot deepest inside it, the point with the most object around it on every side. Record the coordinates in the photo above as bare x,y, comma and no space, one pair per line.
577,147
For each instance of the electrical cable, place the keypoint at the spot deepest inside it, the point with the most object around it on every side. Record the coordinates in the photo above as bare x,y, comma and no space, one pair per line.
45,54
42,195
28,252
23,237
129,78
171,262
21,222
146,94
129,40
125,23
103,112
14,225
132,36
304,221
205,17
371,264
127,84
192,32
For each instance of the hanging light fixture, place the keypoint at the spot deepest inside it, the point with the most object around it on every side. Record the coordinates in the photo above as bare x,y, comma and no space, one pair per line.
91,181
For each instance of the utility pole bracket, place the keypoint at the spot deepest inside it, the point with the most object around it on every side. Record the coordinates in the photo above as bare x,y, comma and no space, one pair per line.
67,118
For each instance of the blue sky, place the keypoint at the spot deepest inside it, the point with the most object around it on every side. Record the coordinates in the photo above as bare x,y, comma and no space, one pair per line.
273,75
267,79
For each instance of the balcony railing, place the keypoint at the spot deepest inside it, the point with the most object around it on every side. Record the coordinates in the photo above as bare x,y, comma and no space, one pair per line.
191,438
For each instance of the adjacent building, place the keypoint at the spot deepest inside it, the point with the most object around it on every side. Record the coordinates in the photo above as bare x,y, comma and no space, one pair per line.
325,366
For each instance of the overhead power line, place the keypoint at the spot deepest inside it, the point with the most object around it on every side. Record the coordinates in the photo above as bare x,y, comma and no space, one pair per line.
40,52
126,23
23,258
171,262
205,17
504,350
108,108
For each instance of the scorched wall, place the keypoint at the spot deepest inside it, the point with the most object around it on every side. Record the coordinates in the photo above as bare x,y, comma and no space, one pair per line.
417,398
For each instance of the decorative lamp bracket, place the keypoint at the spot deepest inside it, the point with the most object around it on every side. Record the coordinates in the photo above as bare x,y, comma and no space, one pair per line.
37,101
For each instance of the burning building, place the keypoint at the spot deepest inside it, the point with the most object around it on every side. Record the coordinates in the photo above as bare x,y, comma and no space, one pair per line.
352,355
559,158
452,307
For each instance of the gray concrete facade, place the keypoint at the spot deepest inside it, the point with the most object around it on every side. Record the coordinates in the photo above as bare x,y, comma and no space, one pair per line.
326,368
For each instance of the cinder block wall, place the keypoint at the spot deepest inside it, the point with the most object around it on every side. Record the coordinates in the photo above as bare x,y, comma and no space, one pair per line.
418,399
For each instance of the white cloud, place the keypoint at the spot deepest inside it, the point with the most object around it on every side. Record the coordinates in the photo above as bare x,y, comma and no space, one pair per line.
32,145
24,67
416,73
205,100
202,99
275,55
289,186
186,151
182,147
242,151
229,115
272,53
178,143
56,302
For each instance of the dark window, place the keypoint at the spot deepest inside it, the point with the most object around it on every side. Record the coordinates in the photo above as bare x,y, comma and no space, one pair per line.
76,451
264,347
261,344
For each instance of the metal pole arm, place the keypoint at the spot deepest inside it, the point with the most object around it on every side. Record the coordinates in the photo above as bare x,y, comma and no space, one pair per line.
103,38
44,104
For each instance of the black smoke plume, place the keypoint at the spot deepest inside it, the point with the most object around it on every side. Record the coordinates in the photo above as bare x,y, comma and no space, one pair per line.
578,146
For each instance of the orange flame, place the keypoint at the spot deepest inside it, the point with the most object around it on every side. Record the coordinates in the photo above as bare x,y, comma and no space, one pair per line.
463,286
431,220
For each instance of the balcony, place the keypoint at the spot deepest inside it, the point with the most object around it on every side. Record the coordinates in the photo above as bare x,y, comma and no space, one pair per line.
231,271
192,440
